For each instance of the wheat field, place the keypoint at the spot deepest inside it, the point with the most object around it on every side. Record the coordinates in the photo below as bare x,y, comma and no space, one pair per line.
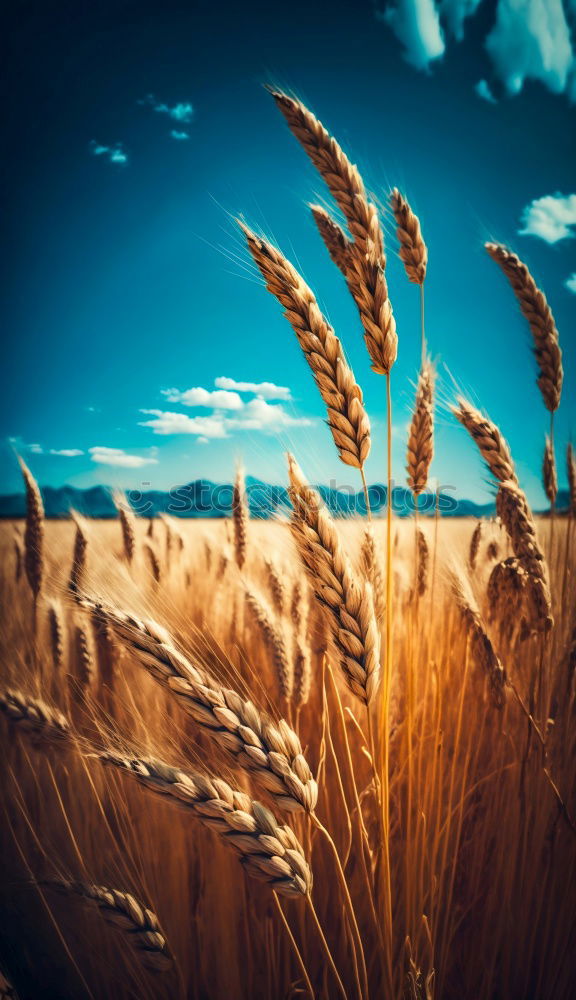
306,756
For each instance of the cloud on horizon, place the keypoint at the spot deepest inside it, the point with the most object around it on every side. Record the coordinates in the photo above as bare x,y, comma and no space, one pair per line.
66,452
118,457
529,40
550,218
570,283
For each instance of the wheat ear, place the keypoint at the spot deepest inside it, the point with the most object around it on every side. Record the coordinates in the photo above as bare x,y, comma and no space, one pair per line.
422,562
537,312
240,517
506,586
127,525
492,445
413,250
348,603
514,511
84,658
273,639
19,558
79,555
33,532
370,562
549,475
153,561
271,752
129,914
366,261
421,437
347,417
268,850
482,649
44,723
56,628
276,585
475,544
335,239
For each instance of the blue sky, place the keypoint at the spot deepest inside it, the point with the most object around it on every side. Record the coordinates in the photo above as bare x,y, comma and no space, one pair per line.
136,131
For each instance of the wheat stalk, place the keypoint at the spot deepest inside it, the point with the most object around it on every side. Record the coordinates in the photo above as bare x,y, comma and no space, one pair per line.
127,913
33,532
537,312
482,649
492,445
366,259
348,603
347,417
271,752
44,723
421,437
268,850
273,639
514,511
549,476
413,250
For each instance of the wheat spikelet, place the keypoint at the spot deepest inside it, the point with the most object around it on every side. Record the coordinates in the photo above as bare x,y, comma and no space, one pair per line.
492,551
493,448
513,509
240,518
56,628
421,438
18,558
413,250
276,584
347,417
475,544
297,604
271,752
79,555
128,526
274,641
335,239
549,476
481,646
31,715
33,532
85,669
370,563
348,603
153,561
127,913
537,312
366,259
571,472
268,850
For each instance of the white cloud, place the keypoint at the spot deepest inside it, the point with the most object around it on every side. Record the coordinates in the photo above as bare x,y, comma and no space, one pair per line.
267,390
114,154
531,40
166,422
482,89
202,440
258,415
455,12
181,112
218,399
416,23
66,452
179,136
35,449
118,457
570,283
551,218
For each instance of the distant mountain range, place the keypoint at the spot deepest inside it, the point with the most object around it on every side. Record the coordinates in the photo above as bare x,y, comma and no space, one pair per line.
203,498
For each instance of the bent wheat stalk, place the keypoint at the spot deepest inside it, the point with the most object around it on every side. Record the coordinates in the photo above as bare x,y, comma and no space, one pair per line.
268,850
272,753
